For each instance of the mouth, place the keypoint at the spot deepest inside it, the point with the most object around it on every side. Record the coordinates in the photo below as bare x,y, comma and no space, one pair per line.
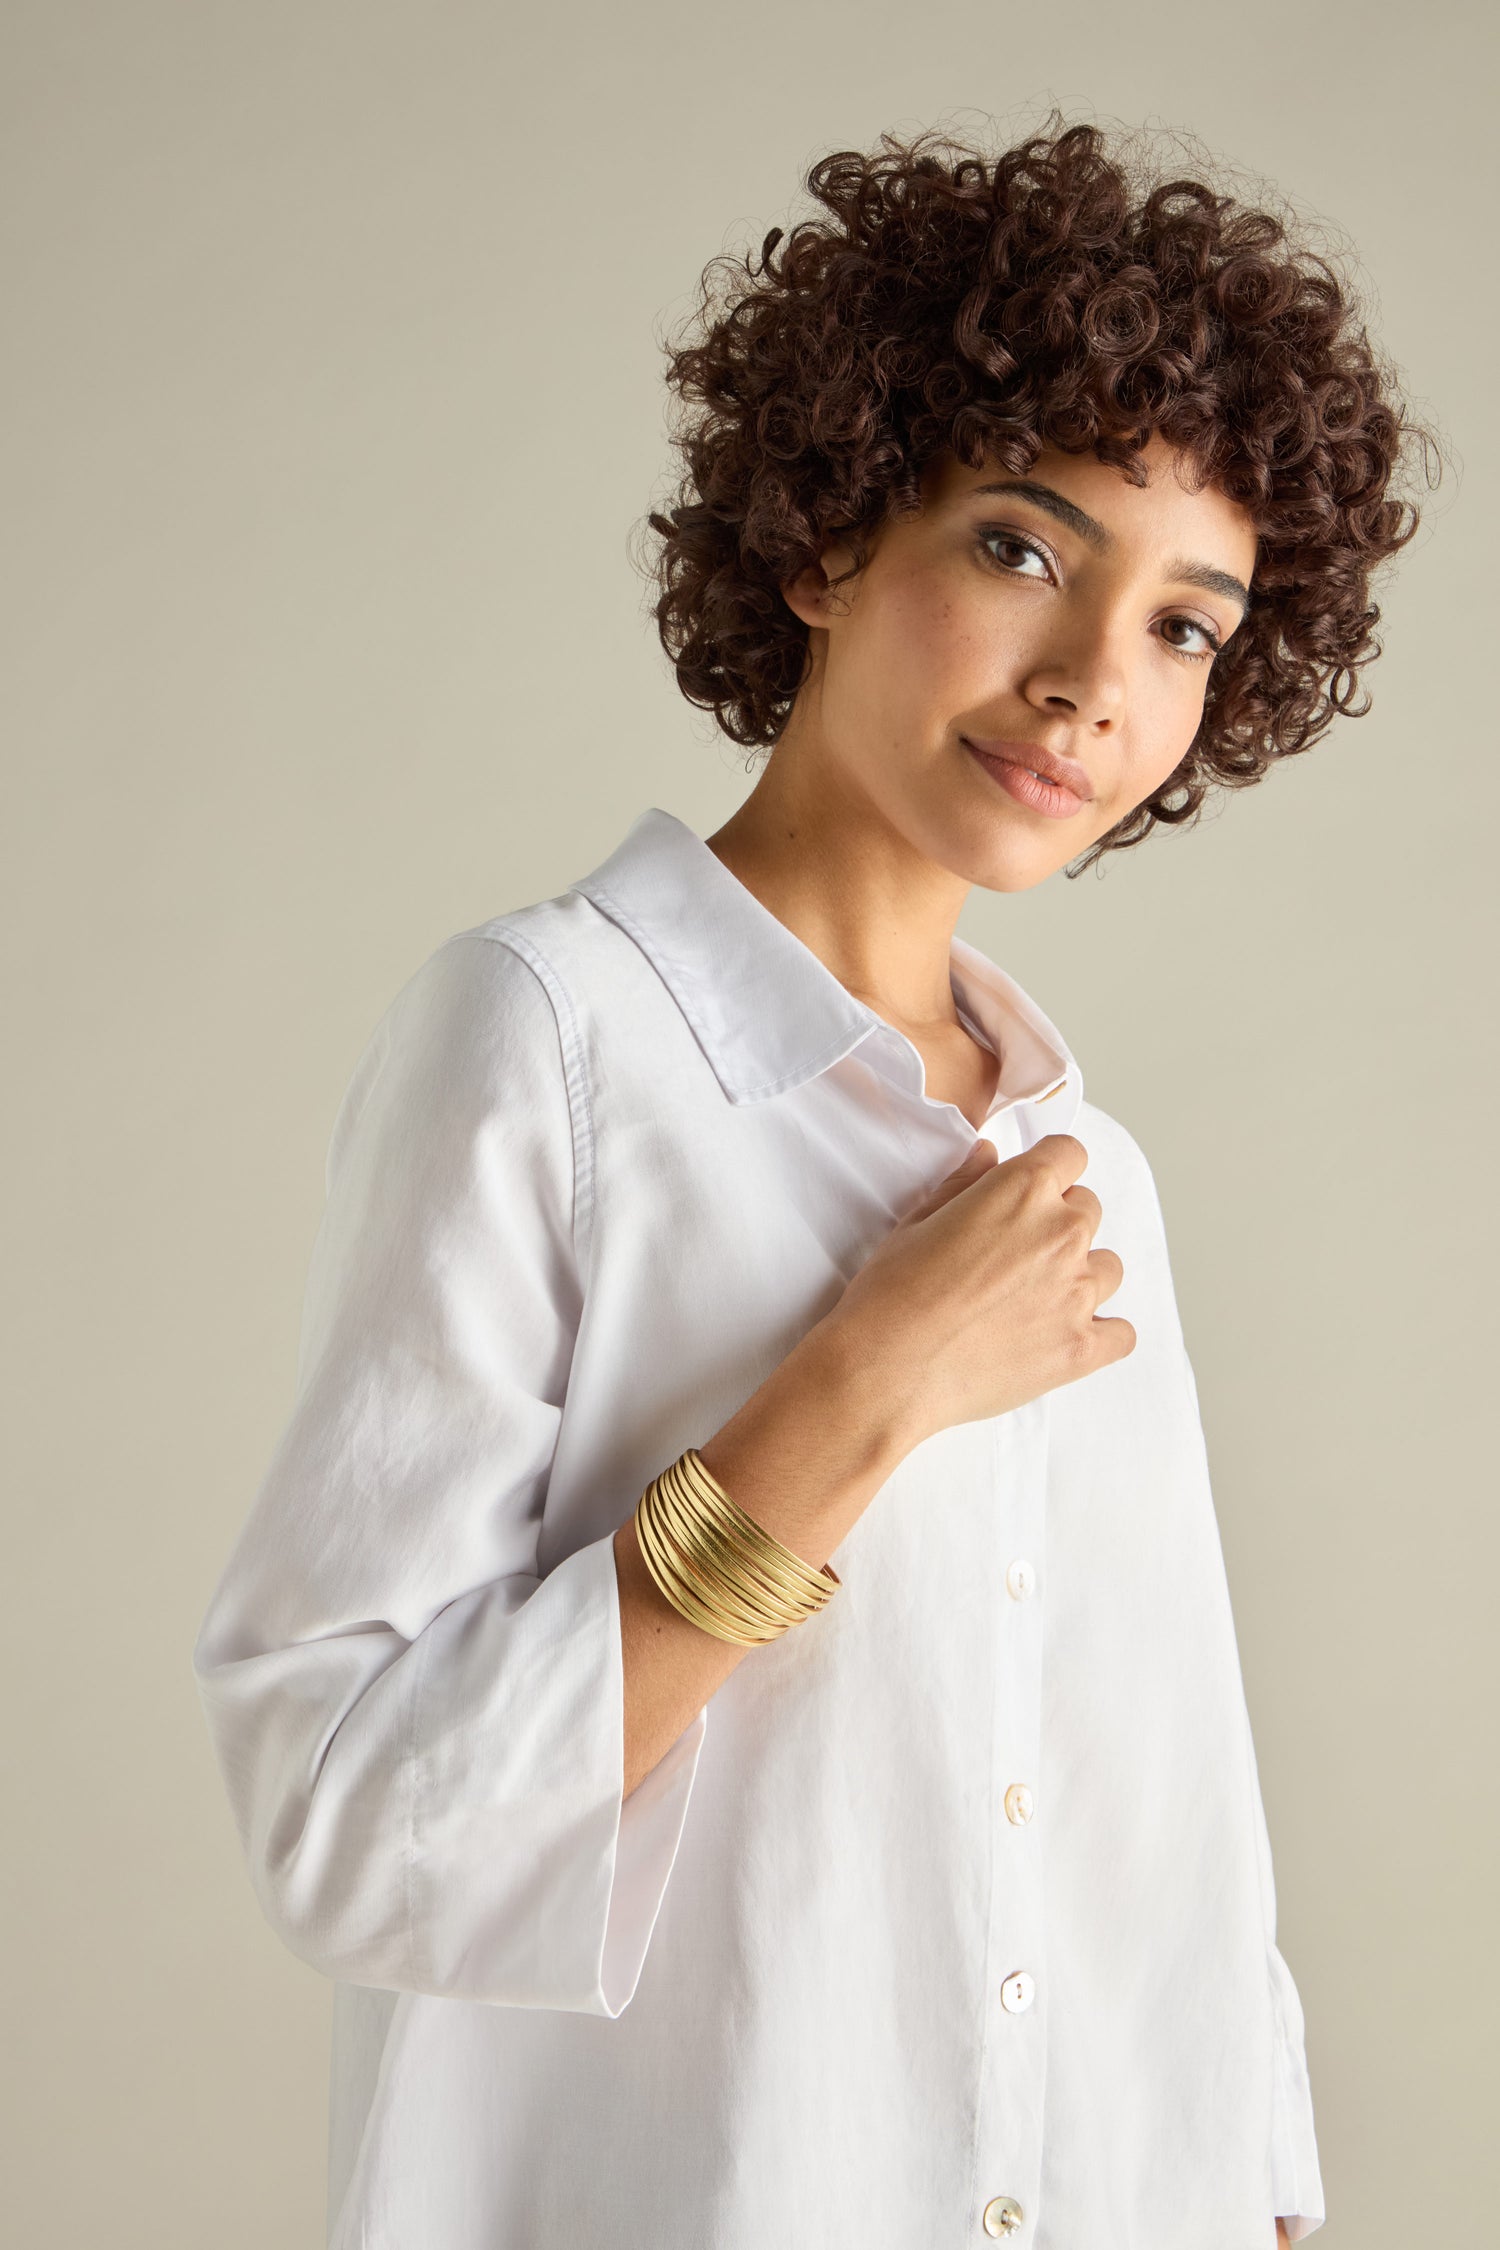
1033,776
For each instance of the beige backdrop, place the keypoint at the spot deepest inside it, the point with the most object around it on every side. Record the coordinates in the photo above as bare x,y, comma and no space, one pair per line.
331,395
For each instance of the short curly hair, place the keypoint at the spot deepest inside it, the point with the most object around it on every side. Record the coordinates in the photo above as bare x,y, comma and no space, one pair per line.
947,300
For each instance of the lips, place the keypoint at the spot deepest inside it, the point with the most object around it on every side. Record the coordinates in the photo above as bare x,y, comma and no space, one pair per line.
1033,776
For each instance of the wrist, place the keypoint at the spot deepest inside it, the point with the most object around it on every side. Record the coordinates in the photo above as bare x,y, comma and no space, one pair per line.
808,1450
874,1402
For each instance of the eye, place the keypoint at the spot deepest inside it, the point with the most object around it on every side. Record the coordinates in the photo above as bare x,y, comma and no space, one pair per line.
1179,632
1017,557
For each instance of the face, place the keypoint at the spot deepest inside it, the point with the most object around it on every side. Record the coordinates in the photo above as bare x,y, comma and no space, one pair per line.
1022,663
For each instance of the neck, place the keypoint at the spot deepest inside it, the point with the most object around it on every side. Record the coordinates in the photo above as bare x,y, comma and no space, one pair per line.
826,862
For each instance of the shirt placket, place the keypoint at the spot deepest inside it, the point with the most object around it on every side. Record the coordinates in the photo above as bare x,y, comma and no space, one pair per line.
1008,2152
1005,2189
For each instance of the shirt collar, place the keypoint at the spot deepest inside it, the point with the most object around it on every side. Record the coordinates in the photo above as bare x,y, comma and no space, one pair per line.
767,1012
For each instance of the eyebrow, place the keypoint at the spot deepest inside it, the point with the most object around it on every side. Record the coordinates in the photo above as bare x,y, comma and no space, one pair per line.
1096,535
1212,581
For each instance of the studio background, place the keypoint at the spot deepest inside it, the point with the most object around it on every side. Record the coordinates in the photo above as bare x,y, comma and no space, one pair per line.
332,393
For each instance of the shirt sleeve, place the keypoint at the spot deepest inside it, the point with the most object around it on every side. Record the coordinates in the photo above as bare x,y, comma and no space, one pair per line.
422,1739
1296,2181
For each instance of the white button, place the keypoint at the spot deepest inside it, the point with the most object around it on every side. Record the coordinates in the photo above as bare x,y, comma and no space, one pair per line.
1019,1579
1003,2215
1017,1993
1018,1803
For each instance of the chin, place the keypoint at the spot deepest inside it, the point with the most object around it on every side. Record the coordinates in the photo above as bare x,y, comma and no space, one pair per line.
1010,879
1008,883
990,849
1018,860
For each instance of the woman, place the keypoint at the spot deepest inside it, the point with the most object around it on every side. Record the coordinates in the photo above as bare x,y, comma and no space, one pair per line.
730,1666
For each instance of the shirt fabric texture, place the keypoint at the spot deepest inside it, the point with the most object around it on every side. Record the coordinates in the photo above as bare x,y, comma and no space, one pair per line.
960,1890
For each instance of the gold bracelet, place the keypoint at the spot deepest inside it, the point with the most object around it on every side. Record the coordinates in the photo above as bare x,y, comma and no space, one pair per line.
721,1552
688,1575
703,1595
716,1565
785,1569
810,1589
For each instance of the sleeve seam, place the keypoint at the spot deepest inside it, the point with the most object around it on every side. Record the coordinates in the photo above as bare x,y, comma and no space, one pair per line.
576,1085
581,1129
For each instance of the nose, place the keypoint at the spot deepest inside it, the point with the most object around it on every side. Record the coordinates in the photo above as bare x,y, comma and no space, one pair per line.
1085,683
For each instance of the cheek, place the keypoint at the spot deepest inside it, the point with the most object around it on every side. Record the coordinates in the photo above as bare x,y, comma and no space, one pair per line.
920,655
1166,712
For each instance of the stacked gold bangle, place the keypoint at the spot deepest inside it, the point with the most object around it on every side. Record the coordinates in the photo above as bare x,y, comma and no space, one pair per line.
715,1564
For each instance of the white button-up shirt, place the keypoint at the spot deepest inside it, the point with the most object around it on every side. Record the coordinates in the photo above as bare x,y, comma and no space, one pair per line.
951,1915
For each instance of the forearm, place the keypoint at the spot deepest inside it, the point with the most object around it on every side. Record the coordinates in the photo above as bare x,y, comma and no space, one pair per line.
805,1455
980,1298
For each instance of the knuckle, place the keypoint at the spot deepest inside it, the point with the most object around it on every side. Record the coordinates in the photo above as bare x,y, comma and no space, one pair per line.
1037,1188
1078,1351
1068,1240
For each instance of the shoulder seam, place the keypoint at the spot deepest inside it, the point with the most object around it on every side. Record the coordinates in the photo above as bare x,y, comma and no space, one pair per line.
575,1078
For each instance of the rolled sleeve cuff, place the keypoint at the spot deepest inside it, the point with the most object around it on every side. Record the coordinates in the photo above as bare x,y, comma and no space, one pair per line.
536,1882
650,1829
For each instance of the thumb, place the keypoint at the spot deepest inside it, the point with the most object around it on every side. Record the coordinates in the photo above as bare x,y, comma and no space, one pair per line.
982,1157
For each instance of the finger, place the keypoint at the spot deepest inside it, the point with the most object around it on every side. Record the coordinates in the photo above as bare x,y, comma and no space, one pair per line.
1114,1338
1084,1200
982,1157
1107,1273
1060,1154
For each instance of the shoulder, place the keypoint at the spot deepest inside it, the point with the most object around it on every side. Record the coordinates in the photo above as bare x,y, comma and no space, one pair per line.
494,1012
508,986
472,1043
471,1007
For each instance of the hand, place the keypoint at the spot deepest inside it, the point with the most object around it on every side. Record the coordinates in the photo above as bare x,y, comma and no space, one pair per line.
986,1294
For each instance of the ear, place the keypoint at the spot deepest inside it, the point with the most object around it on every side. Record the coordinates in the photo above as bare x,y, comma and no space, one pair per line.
811,595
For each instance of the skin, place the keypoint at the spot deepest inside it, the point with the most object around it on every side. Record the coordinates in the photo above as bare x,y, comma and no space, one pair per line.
1068,610
986,616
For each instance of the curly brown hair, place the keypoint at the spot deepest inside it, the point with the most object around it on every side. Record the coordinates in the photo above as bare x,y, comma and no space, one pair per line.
946,300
